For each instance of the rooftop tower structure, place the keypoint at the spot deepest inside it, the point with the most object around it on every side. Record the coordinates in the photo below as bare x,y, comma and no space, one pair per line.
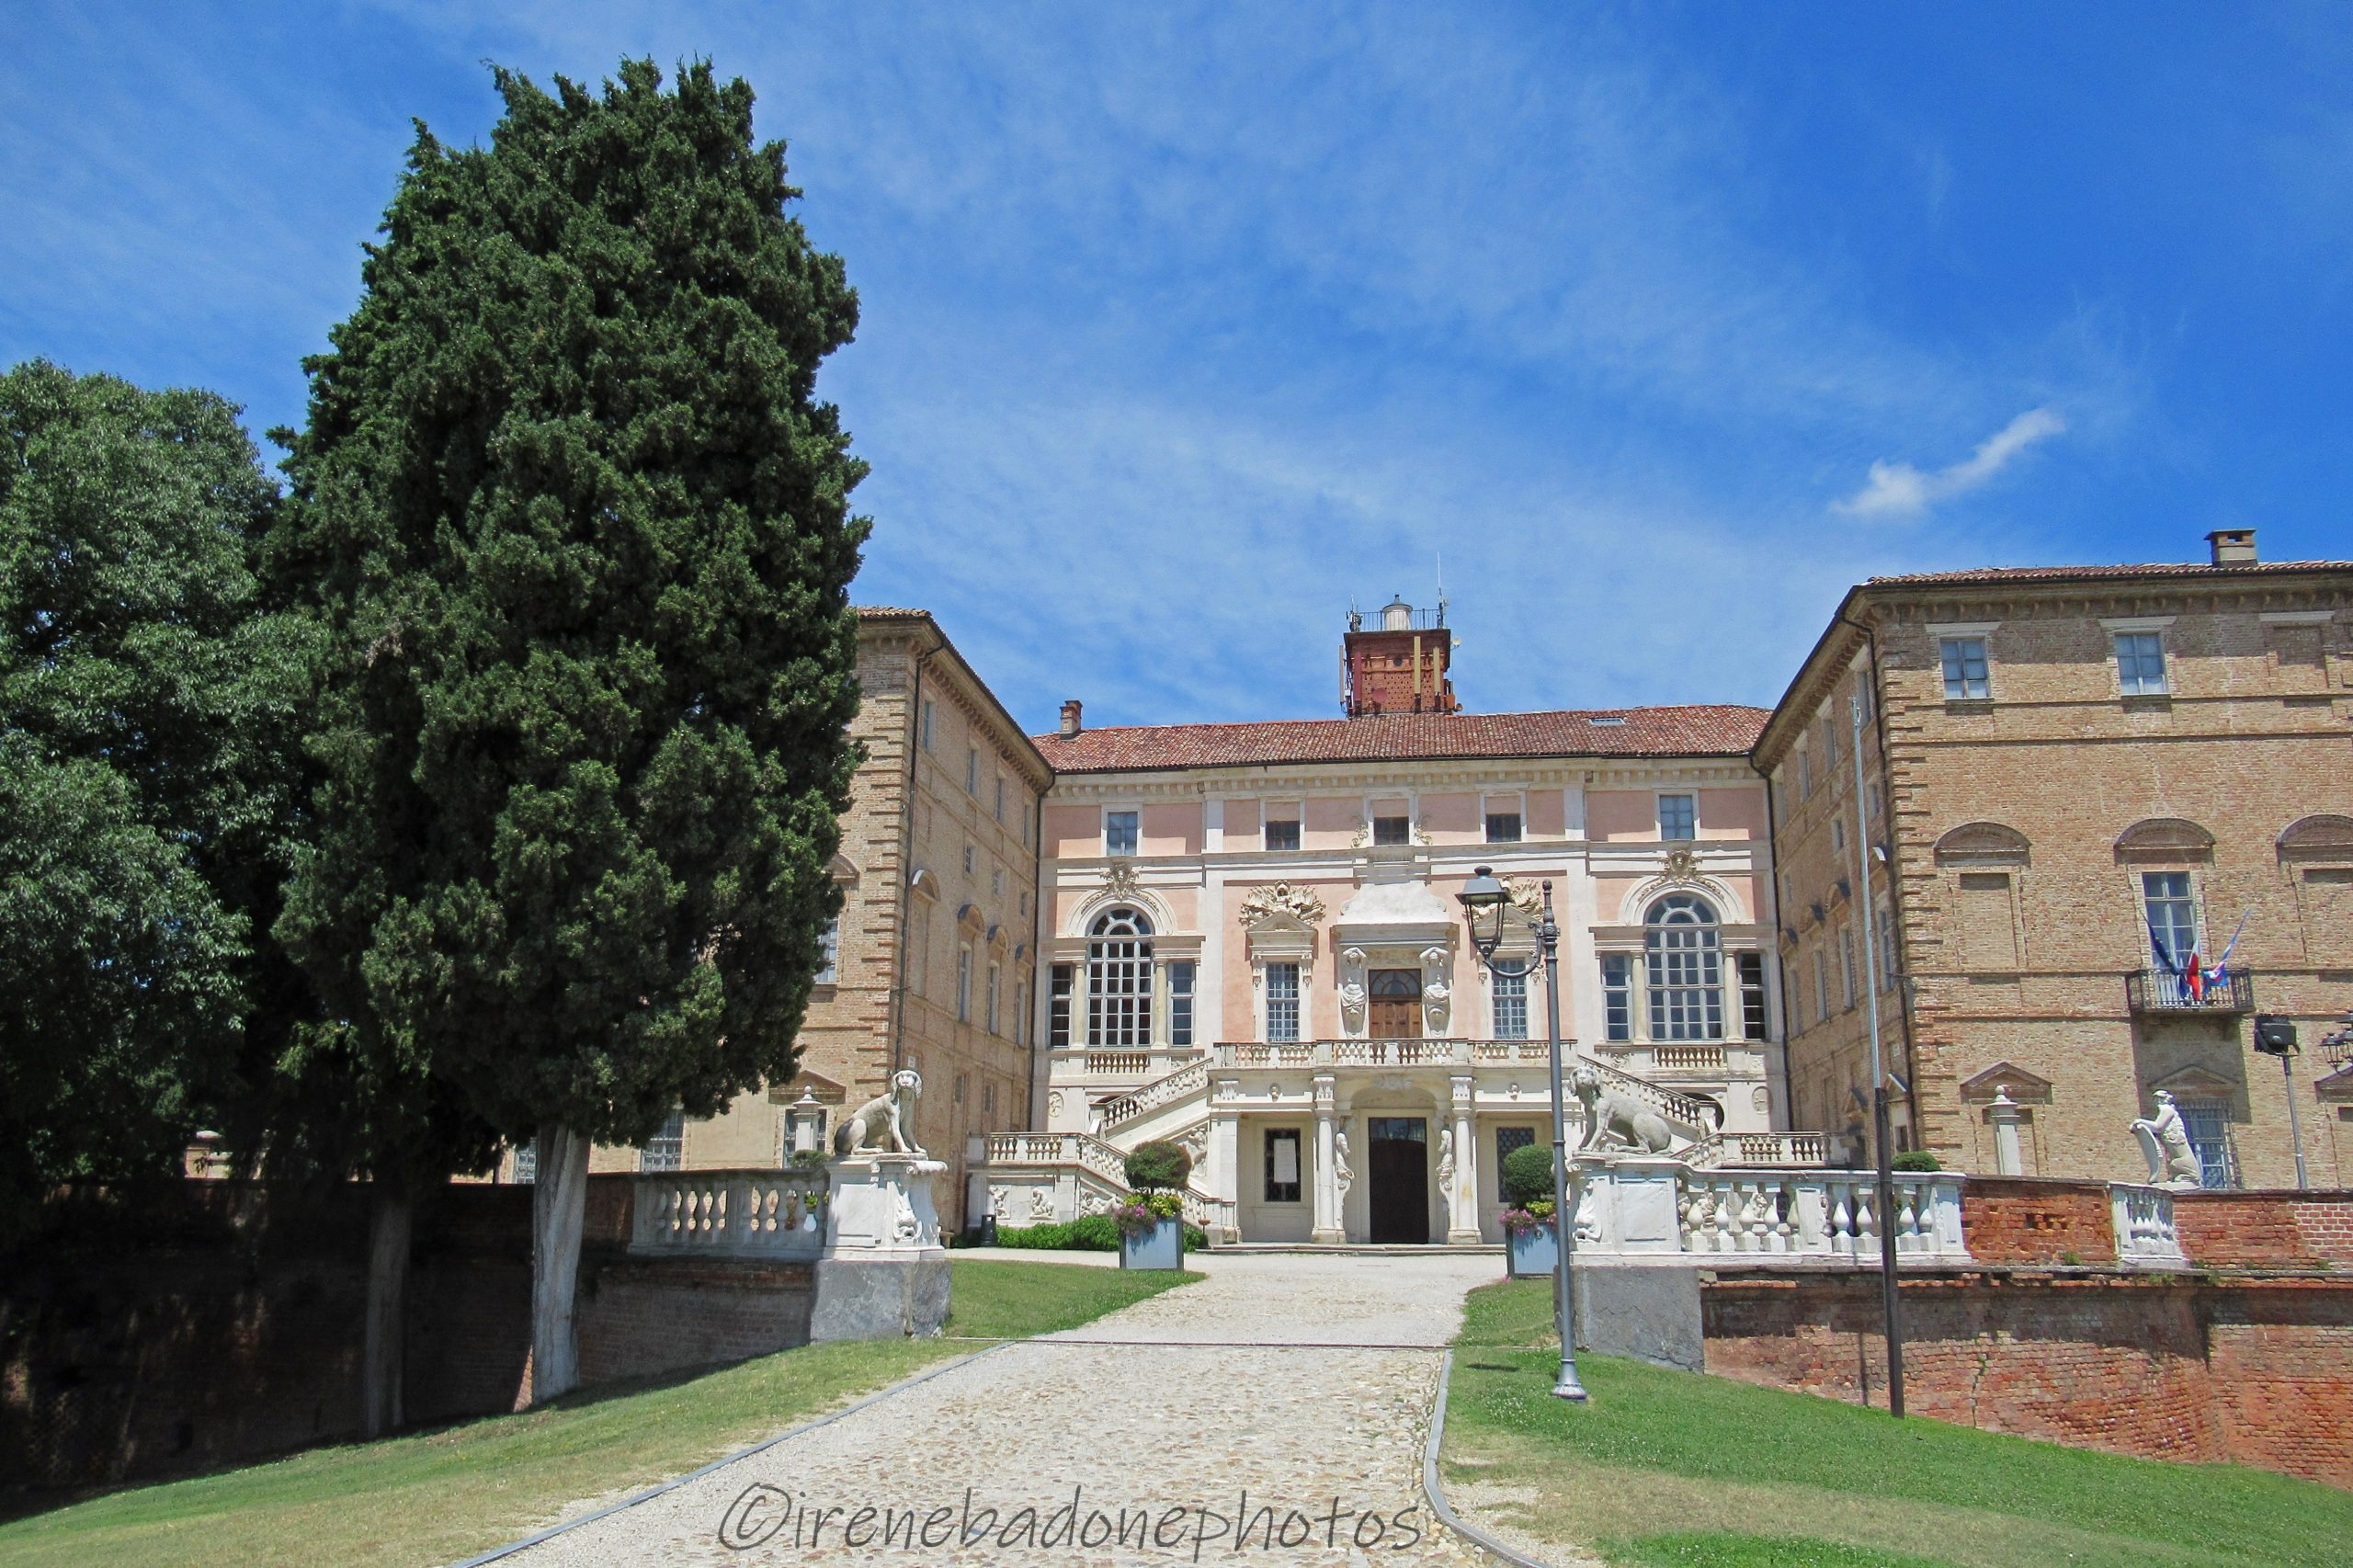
1399,665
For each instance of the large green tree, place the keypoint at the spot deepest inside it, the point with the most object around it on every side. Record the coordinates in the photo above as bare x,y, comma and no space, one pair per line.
147,695
578,527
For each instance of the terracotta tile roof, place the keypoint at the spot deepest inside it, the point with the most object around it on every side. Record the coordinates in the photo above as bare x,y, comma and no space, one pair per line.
1710,730
886,612
2072,573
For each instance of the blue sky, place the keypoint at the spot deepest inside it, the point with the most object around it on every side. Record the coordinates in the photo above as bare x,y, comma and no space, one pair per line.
1183,327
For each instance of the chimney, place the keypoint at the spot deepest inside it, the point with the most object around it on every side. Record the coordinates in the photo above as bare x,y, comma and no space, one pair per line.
2232,546
1070,718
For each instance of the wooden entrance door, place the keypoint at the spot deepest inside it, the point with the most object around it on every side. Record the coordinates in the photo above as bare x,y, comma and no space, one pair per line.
1397,1165
1396,1004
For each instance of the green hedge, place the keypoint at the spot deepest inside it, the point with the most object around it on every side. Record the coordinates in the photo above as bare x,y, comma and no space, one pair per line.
1091,1232
1527,1174
1914,1160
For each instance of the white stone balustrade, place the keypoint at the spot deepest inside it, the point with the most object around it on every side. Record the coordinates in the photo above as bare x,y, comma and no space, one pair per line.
2145,1228
1817,1214
730,1213
1797,1150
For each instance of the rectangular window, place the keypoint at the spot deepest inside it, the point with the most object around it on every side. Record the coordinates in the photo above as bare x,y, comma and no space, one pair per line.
829,952
1021,1013
997,884
1821,987
2170,912
1392,830
991,1013
527,1163
2141,664
2209,1134
1846,966
1829,743
1618,996
963,985
1806,773
1964,666
1883,936
1503,827
1685,982
666,1150
1282,1164
930,713
1283,1001
1678,817
1511,1007
1754,1020
1118,833
1282,834
1508,1139
972,770
988,1100
1180,1003
1000,797
971,859
1058,1007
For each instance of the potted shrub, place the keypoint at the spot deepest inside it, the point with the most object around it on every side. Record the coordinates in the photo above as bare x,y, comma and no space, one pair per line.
1531,1239
1152,1225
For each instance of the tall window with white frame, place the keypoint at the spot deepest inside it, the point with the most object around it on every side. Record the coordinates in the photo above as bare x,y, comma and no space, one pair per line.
1755,1020
2141,664
1966,675
1618,996
972,770
1058,983
1511,1007
1180,1003
990,1011
1678,817
1283,1001
1118,979
829,952
963,983
2170,910
1118,833
1020,1013
930,722
1684,960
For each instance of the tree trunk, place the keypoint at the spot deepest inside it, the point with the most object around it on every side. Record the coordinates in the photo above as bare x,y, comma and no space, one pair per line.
558,1203
392,1214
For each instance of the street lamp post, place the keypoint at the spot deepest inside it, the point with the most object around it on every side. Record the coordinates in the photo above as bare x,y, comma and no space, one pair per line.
1483,893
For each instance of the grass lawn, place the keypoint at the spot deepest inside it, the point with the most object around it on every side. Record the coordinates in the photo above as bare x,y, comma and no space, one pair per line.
1673,1468
447,1495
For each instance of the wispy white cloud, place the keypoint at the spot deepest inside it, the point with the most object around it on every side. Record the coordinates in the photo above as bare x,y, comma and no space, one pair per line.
1899,489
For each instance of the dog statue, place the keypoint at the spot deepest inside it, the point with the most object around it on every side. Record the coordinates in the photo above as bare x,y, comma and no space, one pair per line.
882,1122
1615,1116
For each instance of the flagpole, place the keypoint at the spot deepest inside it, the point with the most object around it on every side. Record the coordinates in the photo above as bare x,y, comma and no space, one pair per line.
1891,1316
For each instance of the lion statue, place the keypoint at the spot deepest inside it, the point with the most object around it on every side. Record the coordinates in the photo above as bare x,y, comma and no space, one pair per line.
884,1119
1615,1116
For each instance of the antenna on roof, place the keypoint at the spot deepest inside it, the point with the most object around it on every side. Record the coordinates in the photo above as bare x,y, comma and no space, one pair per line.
1441,587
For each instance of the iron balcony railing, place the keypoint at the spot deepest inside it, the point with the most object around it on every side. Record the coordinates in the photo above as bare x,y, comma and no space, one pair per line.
2162,991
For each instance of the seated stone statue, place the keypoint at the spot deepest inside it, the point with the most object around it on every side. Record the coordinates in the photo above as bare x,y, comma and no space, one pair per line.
884,1121
2164,1143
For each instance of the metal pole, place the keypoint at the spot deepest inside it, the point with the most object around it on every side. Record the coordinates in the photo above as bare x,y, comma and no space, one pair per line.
1891,1314
1563,1220
2295,1131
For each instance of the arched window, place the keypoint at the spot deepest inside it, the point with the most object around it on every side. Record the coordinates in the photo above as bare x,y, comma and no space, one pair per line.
1118,979
1685,957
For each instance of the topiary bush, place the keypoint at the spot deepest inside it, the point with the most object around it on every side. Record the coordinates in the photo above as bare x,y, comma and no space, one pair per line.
1158,1166
1527,1174
1914,1160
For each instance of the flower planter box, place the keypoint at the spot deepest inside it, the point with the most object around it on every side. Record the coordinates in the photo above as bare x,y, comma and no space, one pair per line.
1162,1247
1533,1254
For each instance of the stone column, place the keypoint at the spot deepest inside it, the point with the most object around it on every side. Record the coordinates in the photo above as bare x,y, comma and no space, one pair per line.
2006,1116
1327,1231
1463,1203
1225,1153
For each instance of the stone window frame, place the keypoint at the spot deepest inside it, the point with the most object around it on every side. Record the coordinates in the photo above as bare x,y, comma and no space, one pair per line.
1982,632
2136,626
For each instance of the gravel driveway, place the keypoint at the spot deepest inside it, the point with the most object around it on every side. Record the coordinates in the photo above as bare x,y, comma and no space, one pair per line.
1283,1401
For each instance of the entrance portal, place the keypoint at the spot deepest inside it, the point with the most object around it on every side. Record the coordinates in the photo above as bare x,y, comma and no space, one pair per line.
1396,1004
1398,1166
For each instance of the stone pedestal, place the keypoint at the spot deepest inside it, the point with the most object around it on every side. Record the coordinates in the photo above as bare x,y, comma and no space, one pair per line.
884,1274
1628,1203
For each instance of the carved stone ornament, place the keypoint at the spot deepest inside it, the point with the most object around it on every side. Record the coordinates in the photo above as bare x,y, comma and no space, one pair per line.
1042,1206
1300,903
1682,865
1527,896
1054,1105
1119,881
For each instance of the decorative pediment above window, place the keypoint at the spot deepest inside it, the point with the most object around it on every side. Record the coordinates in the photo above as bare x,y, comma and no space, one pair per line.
2024,1087
2325,838
1282,901
840,869
2164,841
969,920
2337,1088
1983,844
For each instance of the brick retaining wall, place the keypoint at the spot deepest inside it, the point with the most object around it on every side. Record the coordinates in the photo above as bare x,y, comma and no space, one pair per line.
2266,1230
2007,1220
2175,1366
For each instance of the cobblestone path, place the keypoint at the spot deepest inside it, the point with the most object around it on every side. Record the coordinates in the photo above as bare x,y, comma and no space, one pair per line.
1281,1402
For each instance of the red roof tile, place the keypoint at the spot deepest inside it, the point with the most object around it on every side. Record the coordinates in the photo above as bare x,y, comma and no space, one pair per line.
2070,573
1710,729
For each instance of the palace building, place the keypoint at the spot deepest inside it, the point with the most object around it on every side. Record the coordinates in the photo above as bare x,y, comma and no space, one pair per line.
1245,937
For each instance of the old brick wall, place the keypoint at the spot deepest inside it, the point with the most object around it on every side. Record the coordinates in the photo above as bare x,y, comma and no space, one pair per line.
2257,1230
224,1323
2162,1366
2005,1219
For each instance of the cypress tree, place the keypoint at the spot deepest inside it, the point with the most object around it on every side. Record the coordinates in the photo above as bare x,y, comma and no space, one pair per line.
576,526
